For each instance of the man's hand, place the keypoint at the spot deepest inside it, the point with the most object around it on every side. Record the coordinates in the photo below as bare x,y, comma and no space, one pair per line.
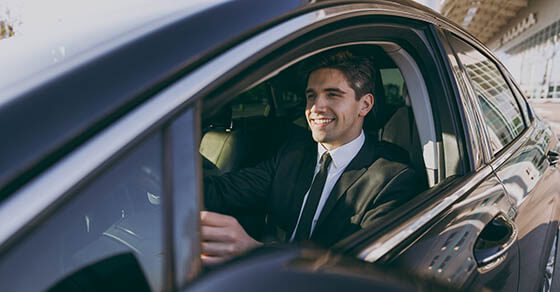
223,238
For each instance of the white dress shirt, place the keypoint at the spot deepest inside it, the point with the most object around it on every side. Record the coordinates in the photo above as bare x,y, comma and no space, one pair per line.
341,157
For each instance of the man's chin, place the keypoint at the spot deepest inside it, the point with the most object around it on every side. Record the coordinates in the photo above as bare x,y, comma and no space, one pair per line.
320,137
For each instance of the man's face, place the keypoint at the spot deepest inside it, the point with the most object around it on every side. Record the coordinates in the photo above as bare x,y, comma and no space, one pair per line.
333,113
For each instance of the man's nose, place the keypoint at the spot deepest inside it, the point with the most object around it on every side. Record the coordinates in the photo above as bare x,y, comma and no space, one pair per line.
319,103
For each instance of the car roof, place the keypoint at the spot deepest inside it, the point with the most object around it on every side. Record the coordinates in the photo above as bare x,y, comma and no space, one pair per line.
50,113
53,33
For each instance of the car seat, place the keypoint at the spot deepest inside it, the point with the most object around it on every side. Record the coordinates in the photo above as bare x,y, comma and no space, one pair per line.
226,148
222,146
401,130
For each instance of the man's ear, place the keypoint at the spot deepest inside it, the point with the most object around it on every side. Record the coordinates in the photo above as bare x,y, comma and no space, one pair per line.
366,104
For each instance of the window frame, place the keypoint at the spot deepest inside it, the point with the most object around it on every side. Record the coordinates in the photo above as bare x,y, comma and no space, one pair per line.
241,84
182,259
526,110
436,194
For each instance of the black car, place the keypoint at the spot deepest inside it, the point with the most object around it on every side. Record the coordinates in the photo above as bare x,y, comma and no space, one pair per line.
103,154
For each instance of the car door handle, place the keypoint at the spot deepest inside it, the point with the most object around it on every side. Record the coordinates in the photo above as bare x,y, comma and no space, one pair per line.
495,240
552,157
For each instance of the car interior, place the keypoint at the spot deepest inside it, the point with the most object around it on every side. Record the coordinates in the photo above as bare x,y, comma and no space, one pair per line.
250,127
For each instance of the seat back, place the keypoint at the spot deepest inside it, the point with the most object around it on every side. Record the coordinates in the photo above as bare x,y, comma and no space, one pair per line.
401,130
222,145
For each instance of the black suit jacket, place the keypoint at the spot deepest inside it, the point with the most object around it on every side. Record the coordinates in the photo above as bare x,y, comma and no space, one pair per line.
375,182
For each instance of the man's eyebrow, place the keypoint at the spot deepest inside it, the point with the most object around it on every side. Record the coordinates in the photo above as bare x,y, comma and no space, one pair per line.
335,90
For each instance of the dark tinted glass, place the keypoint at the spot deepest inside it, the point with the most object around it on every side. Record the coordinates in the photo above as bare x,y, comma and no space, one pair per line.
499,108
252,103
394,86
109,230
287,100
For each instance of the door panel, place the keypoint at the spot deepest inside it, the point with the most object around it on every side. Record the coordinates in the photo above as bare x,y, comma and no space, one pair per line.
529,180
446,252
111,223
519,158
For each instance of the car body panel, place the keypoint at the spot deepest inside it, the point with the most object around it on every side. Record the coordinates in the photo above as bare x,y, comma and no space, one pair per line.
530,182
445,251
305,269
522,166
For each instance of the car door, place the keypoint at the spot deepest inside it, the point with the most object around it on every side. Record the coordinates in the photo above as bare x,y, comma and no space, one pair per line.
551,155
519,151
128,219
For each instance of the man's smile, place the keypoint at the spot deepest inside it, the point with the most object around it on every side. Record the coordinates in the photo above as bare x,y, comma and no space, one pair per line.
322,121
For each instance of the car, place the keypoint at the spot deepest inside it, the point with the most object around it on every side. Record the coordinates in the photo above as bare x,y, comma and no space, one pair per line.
105,148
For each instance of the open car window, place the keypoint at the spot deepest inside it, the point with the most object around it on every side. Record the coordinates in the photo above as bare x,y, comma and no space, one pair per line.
250,127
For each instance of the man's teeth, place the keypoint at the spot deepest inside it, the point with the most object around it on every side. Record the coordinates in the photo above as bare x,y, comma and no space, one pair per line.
323,121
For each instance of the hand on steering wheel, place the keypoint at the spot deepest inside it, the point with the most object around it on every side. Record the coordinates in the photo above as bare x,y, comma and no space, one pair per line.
223,238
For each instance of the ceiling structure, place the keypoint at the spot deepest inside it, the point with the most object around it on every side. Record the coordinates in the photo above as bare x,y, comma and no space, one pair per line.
482,18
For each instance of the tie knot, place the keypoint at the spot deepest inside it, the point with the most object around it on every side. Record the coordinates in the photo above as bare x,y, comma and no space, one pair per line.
325,159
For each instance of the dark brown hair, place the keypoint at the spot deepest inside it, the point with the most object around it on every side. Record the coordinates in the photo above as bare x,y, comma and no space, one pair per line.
356,67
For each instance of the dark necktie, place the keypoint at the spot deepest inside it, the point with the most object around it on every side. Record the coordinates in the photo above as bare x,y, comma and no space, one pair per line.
304,226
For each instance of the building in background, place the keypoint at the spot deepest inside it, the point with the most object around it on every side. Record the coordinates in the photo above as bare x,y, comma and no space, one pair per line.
6,30
522,33
529,47
434,4
8,21
482,18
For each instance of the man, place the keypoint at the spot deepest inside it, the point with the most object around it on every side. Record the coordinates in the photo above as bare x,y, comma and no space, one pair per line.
320,188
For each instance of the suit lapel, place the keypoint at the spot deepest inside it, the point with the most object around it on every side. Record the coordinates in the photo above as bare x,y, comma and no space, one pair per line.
353,171
303,181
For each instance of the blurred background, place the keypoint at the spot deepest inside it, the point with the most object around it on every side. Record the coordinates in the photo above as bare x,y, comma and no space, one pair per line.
524,36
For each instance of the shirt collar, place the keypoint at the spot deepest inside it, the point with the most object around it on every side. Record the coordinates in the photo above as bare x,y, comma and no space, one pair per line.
342,155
